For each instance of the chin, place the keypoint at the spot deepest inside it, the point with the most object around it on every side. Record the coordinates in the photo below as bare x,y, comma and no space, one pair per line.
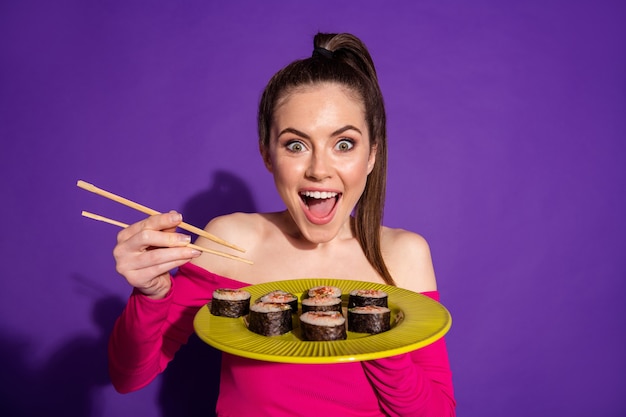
319,235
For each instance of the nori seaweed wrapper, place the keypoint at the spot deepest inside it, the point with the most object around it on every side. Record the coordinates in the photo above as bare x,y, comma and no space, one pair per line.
362,301
271,323
372,323
311,332
230,308
329,307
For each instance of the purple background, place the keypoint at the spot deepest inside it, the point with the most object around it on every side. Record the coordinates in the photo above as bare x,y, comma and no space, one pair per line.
507,135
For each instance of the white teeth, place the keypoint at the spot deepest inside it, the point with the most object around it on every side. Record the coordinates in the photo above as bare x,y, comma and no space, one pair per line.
319,194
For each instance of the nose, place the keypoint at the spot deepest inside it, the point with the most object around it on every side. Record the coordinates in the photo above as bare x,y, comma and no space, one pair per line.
320,167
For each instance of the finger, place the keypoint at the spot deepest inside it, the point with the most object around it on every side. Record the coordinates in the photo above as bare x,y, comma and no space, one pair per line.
154,262
146,246
165,222
175,218
147,241
142,278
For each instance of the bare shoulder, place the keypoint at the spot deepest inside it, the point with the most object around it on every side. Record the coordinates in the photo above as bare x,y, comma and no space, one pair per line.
409,260
244,230
235,225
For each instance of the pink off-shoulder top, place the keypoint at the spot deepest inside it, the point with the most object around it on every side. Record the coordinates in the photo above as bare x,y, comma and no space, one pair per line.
149,332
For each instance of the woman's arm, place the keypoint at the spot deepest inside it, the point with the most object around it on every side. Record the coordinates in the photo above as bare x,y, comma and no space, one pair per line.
135,345
418,383
145,254
149,332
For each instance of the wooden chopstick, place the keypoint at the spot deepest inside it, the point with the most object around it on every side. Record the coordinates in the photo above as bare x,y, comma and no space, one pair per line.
189,245
193,229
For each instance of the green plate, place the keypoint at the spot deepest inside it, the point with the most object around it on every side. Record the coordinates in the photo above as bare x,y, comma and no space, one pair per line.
416,321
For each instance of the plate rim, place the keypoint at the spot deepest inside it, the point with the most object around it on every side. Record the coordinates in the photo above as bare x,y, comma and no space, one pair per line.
204,317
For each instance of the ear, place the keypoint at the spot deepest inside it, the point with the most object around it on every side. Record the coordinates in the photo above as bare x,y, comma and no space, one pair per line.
372,158
266,158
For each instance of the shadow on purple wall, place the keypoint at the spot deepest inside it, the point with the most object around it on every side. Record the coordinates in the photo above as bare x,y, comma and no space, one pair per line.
191,381
63,385
227,193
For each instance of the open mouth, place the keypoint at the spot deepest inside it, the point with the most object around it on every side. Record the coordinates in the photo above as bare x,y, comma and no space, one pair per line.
320,204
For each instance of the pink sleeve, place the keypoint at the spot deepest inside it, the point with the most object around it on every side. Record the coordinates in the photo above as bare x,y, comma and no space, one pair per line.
149,332
418,383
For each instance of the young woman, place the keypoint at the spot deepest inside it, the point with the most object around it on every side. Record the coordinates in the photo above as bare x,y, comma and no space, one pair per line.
322,136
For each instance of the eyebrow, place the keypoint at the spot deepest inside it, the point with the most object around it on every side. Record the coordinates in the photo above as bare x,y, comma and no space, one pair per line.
304,135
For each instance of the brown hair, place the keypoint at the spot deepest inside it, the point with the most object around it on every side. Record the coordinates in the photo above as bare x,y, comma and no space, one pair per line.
342,59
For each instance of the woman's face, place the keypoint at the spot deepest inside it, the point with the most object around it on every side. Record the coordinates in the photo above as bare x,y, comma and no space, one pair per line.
319,154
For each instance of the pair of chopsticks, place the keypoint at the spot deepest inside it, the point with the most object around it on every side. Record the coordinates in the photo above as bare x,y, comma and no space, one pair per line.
190,228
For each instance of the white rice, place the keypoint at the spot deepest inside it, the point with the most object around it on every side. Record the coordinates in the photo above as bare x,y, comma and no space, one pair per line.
326,290
231,294
321,301
262,307
323,318
278,296
369,310
369,293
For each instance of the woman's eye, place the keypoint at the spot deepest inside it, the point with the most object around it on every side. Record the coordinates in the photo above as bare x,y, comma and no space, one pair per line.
295,146
344,145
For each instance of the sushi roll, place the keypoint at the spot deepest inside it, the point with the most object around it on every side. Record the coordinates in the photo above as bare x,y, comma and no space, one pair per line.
281,297
270,319
325,290
321,303
369,319
361,298
323,326
230,303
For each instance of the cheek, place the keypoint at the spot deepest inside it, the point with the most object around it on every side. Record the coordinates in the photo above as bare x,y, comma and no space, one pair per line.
356,173
289,167
284,174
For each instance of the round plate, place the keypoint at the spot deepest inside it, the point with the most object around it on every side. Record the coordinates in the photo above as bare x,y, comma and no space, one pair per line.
416,321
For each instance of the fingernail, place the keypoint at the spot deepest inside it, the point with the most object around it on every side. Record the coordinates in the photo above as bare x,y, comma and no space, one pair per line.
176,217
195,253
184,238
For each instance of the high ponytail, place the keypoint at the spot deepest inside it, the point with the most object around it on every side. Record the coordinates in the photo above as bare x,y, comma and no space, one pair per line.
342,59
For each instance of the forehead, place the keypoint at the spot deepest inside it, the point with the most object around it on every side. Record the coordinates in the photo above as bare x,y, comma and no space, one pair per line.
327,100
